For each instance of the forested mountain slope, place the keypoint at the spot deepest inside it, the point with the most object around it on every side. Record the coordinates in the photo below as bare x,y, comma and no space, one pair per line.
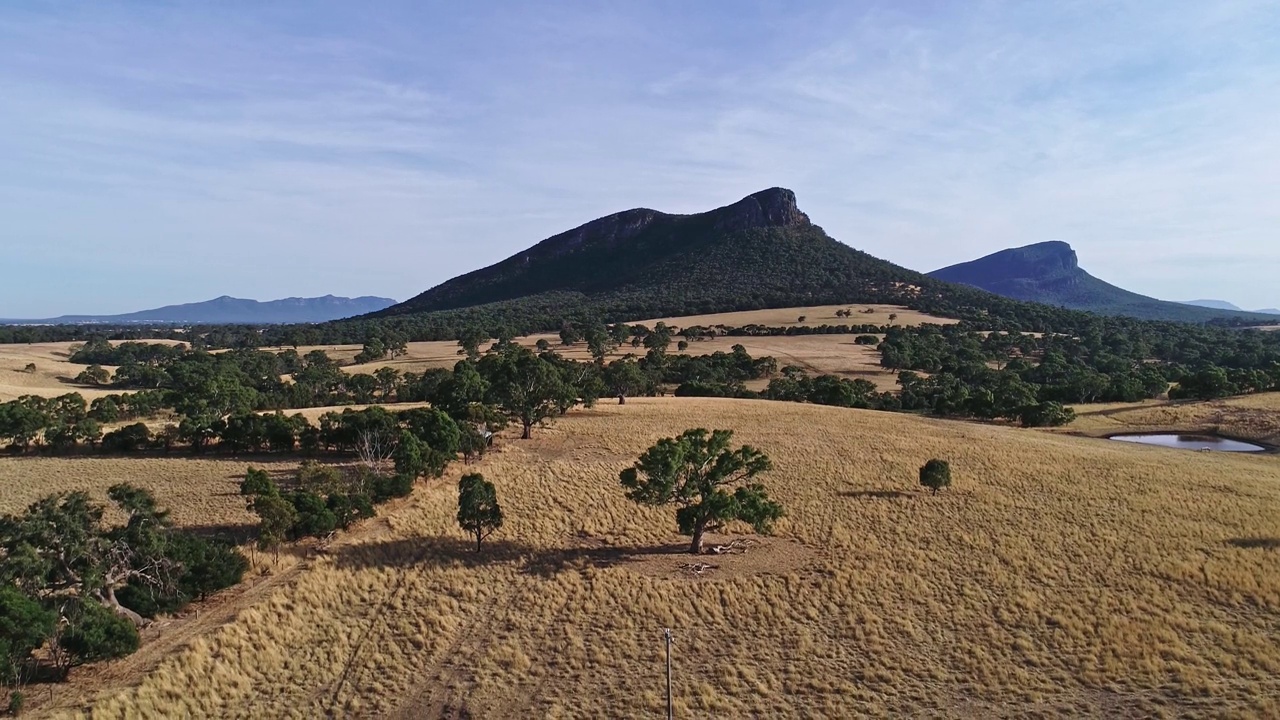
759,252
1050,273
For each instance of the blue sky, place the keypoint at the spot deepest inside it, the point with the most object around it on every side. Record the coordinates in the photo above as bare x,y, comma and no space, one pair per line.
153,153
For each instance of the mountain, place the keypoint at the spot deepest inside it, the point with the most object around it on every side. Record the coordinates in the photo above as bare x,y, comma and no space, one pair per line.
1224,305
1215,304
759,252
227,310
1050,273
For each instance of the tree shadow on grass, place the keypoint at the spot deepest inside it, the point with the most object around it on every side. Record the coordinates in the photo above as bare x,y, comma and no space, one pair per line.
457,552
238,533
880,494
1255,543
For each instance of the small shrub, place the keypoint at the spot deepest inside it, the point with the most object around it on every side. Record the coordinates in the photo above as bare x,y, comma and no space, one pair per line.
386,487
97,633
935,475
258,482
348,508
16,701
319,478
314,516
130,438
1046,414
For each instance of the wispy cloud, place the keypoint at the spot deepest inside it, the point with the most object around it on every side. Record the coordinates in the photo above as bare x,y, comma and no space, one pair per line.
305,149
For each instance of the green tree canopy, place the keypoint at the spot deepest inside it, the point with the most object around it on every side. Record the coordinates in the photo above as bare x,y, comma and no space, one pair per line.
478,511
696,472
935,475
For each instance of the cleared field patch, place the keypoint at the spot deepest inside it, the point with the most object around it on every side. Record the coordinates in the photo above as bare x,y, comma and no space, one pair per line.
818,354
1059,576
52,376
199,492
814,315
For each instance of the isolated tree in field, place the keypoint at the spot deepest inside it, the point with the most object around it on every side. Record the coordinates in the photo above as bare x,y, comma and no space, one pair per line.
659,339
469,341
478,511
525,386
695,472
935,475
624,378
373,349
893,317
94,375
257,482
569,335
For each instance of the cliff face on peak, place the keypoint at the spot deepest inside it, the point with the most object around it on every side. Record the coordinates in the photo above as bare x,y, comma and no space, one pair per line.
775,207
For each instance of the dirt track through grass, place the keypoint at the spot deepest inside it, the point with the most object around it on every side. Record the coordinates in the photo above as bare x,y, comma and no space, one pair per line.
1061,576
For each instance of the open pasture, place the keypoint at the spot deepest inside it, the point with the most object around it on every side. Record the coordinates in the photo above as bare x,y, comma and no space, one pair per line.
1059,576
53,375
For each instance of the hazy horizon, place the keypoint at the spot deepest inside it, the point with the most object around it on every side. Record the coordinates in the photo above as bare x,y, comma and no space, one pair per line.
159,155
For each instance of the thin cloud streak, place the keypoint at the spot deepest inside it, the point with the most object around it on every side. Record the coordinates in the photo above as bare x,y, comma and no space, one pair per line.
301,150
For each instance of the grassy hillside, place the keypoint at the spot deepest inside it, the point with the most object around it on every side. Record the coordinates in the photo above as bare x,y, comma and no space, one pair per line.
1060,576
1049,273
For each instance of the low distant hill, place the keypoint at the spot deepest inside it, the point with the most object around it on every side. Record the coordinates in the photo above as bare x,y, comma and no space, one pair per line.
227,310
1224,305
1214,304
1050,273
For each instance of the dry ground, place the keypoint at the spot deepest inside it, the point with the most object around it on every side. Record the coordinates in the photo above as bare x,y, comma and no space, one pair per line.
199,492
836,354
1060,576
52,376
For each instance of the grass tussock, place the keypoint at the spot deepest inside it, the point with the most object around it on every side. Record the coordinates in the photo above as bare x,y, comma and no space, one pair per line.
1060,576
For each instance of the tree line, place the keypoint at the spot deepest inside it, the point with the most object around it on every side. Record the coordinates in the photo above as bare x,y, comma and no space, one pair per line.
80,587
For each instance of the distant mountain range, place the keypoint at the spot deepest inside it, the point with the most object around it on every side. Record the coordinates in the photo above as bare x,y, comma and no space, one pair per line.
227,310
1224,305
1050,273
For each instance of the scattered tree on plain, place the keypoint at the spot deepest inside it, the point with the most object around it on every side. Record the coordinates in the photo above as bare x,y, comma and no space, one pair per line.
525,386
695,472
935,475
478,511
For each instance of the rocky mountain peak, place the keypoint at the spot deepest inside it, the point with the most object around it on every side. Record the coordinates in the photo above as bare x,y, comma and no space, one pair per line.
775,207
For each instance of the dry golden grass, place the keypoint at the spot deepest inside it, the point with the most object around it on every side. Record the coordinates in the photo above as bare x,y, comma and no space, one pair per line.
53,375
1060,576
198,492
1250,417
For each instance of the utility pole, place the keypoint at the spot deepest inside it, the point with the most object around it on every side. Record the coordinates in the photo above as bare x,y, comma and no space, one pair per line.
671,708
